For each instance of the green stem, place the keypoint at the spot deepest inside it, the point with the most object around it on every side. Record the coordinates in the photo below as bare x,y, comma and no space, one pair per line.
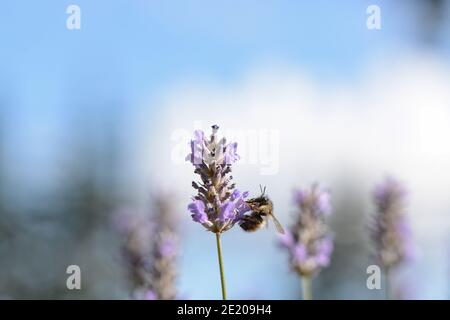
387,284
222,275
307,287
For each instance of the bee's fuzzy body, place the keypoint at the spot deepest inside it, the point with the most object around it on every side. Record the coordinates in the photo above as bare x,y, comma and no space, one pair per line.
261,208
253,222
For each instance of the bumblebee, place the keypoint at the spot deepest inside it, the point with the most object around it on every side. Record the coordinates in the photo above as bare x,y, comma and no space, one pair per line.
261,208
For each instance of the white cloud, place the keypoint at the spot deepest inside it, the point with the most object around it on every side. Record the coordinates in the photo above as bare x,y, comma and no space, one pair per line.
396,120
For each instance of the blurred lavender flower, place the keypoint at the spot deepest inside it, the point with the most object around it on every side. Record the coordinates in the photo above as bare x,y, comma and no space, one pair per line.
150,251
218,205
390,231
308,240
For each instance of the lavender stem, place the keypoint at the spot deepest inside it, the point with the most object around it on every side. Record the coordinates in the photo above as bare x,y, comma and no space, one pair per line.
307,287
387,284
222,274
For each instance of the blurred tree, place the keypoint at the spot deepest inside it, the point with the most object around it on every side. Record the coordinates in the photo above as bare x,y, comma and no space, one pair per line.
432,14
50,228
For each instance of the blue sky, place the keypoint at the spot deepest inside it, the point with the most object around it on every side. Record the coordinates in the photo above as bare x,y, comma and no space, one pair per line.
133,48
127,52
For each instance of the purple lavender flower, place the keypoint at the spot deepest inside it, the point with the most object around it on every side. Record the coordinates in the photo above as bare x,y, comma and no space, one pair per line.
390,231
150,251
142,294
218,205
308,241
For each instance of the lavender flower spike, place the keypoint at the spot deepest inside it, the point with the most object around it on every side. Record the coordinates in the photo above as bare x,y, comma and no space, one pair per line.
390,231
150,251
218,205
308,240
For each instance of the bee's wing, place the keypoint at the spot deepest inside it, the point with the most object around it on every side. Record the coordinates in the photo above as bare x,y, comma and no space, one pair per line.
277,224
